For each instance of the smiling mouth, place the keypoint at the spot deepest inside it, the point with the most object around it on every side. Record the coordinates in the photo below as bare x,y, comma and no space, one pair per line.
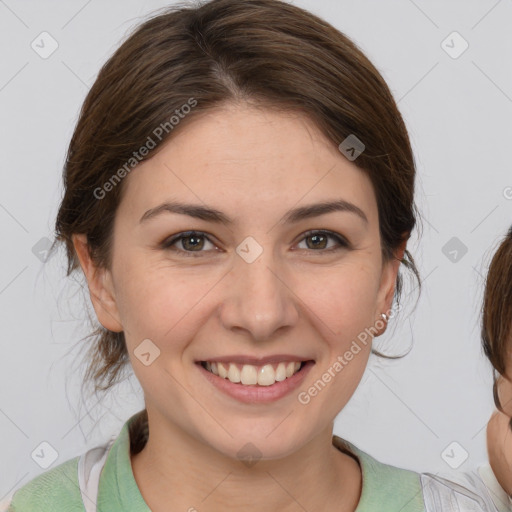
250,375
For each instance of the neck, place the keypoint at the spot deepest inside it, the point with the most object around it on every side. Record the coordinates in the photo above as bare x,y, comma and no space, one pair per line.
175,470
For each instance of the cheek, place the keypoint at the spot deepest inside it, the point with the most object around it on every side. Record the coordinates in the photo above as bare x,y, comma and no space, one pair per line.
499,444
153,302
344,300
505,395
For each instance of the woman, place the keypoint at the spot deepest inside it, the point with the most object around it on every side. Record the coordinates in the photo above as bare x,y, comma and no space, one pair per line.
239,192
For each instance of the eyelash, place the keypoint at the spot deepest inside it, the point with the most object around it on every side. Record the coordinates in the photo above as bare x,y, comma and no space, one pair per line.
168,243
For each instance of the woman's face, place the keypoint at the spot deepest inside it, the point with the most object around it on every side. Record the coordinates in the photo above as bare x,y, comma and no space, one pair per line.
254,287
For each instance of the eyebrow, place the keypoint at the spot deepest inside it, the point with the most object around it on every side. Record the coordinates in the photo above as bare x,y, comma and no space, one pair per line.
292,216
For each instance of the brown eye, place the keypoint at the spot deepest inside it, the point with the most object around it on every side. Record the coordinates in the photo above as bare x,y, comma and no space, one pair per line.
318,241
191,242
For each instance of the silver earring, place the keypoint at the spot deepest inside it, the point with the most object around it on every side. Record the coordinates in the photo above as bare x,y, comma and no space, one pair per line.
384,316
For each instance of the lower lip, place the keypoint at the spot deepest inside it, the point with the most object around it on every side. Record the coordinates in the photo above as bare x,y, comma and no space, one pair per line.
255,394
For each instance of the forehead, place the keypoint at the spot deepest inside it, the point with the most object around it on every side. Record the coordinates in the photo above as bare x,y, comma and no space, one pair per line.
240,155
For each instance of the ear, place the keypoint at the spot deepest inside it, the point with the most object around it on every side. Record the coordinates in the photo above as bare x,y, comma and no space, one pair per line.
100,285
388,284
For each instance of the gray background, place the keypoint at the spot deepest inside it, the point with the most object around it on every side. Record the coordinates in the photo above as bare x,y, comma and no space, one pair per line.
458,112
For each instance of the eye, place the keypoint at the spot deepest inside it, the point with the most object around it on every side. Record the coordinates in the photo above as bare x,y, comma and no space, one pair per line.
319,240
191,242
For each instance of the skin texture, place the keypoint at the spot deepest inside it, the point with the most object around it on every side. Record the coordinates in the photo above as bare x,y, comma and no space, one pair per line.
505,394
499,437
254,165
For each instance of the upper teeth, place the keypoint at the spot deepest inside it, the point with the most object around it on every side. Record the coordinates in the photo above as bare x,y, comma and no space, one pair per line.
249,374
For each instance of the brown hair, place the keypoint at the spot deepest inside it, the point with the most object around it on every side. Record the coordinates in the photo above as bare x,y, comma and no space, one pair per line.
266,52
497,312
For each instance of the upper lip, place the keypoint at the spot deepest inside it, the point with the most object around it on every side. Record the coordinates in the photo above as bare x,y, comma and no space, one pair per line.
256,361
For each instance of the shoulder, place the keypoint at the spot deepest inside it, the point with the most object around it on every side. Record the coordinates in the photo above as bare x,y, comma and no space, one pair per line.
55,489
385,487
500,497
68,486
470,491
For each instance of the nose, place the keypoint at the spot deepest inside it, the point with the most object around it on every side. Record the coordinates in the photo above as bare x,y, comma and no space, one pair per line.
259,300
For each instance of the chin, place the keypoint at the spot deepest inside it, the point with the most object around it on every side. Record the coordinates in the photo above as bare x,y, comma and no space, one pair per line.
255,444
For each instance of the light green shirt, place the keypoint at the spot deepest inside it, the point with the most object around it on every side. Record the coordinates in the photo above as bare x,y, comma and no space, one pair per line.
108,473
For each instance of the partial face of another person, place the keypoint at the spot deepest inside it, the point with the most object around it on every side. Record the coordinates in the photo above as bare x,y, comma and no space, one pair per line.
251,281
499,431
505,391
499,437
